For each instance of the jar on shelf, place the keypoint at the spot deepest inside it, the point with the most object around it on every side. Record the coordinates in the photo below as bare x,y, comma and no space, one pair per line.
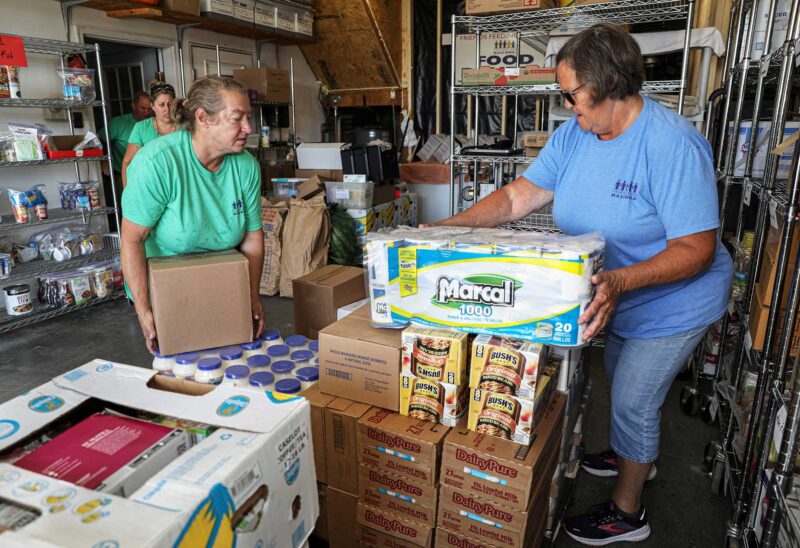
297,342
288,386
278,351
302,358
282,369
232,355
258,362
209,371
261,381
271,337
308,376
185,365
313,345
163,364
237,375
252,348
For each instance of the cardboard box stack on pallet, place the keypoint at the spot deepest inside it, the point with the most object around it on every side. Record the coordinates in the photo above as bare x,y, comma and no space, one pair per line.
437,436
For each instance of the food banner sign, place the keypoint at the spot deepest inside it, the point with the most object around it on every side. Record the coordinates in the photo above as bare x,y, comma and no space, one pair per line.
12,51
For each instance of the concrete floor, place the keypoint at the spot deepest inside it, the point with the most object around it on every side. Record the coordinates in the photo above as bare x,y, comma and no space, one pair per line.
683,512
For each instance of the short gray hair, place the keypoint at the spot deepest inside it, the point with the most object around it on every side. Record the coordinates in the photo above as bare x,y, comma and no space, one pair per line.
606,60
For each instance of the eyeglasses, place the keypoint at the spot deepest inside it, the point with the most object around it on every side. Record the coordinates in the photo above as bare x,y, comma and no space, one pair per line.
569,96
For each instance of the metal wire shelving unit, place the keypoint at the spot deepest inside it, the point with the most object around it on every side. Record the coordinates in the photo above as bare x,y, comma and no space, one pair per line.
30,270
739,461
499,170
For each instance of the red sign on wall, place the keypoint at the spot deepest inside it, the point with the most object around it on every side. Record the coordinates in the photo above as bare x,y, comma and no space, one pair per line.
12,51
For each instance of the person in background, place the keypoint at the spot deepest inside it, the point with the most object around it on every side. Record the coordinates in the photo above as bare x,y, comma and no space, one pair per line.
193,191
119,130
162,96
642,176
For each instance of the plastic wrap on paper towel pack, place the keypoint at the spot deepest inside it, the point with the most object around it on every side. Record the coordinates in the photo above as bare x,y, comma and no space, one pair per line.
531,286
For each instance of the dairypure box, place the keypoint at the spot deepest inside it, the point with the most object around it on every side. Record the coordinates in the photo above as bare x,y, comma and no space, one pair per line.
403,496
214,493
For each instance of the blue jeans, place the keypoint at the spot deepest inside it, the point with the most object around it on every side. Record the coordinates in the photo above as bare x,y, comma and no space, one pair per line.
640,372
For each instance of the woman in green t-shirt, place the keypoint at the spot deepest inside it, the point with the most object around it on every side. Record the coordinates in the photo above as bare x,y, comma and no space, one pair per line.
195,190
162,96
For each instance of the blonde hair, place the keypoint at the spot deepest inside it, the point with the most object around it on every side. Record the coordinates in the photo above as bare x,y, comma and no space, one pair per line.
205,93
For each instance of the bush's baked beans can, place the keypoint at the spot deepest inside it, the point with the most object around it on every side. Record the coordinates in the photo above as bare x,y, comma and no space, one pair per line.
503,371
499,416
427,400
429,357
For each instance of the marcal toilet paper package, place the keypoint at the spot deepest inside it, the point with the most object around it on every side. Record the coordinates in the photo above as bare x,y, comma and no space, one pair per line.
526,285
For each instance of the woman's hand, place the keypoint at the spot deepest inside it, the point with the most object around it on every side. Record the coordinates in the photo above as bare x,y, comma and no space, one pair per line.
148,329
609,285
258,317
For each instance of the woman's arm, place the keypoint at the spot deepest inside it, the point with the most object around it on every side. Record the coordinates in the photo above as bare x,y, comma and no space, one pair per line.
134,268
252,247
130,152
514,201
683,258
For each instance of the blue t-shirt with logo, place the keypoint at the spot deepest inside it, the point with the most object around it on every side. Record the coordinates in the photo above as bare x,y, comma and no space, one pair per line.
653,183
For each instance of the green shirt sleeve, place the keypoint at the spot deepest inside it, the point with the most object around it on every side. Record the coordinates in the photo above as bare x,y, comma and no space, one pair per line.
148,191
137,134
252,199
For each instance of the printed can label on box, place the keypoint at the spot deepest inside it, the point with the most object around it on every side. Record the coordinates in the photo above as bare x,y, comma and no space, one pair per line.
506,366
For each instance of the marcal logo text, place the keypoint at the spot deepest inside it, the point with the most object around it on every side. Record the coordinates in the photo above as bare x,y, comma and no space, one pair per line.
393,441
389,524
394,484
453,540
480,507
485,464
448,289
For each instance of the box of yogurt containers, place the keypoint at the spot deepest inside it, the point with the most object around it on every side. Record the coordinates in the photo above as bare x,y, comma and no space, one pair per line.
268,364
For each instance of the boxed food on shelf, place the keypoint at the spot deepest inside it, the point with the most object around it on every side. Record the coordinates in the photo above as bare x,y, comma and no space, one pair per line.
531,75
535,139
400,495
360,362
433,378
497,282
80,196
401,445
200,300
261,450
507,366
319,295
393,525
270,84
478,7
499,470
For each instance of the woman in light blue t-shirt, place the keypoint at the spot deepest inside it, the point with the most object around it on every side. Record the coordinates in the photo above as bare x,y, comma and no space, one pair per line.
642,176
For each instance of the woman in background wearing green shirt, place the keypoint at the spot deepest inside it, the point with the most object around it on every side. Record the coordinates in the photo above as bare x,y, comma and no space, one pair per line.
162,97
195,190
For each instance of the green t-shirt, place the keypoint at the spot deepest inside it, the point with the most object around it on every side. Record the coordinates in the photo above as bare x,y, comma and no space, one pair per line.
143,132
117,136
188,208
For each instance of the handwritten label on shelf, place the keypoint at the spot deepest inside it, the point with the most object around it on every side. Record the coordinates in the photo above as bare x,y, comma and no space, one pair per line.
12,51
780,426
748,190
341,194
773,214
748,341
511,71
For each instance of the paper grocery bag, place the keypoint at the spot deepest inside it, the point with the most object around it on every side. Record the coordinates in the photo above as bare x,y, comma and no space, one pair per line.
306,237
273,215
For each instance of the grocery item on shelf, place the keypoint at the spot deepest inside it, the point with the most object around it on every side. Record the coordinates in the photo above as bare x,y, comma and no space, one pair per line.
66,242
506,366
163,364
6,265
18,299
433,378
80,196
78,84
531,286
27,141
28,205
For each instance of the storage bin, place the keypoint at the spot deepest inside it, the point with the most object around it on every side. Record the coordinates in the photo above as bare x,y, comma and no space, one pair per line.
350,195
286,187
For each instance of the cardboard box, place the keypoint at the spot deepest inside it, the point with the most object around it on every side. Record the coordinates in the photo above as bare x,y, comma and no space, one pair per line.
475,517
244,11
270,84
393,525
266,16
769,262
499,470
217,9
506,363
312,187
319,402
348,309
327,174
327,156
191,7
359,362
449,539
108,453
341,446
372,538
531,75
259,442
433,379
759,316
536,139
321,528
401,445
319,295
476,7
342,527
402,496
201,300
